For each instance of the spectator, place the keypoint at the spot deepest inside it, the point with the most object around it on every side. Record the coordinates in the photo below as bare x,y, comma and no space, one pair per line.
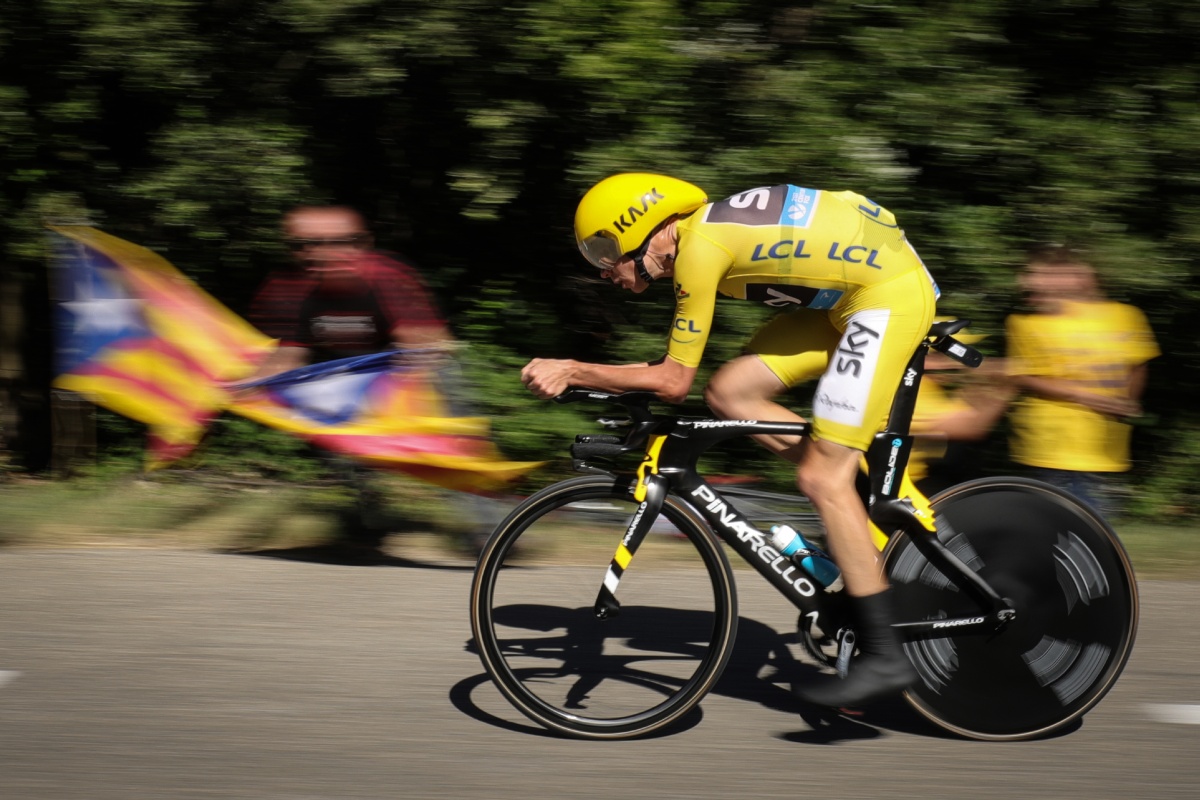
343,298
1080,361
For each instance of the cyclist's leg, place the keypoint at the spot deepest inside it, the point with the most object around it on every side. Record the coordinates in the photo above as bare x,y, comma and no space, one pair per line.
826,474
882,326
790,349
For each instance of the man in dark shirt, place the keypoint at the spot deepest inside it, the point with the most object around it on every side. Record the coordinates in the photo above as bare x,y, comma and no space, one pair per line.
343,299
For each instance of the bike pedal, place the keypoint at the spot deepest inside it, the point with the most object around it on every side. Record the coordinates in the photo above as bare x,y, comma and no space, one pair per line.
846,640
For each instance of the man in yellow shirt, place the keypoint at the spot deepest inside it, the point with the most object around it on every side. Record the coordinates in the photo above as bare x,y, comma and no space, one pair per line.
1080,361
859,301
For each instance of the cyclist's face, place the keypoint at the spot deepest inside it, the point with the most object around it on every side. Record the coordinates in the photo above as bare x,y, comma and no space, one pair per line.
624,274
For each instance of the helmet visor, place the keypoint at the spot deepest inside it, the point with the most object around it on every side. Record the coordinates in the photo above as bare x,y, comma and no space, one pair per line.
601,249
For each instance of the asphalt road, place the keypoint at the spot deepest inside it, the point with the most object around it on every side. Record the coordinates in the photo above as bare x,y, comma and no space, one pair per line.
130,674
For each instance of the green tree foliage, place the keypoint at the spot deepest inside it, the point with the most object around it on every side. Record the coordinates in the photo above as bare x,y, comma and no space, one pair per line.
467,130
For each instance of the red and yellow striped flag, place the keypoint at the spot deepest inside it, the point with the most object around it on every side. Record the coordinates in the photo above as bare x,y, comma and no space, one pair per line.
137,337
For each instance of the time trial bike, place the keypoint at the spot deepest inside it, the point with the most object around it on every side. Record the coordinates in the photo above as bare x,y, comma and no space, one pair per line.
1017,603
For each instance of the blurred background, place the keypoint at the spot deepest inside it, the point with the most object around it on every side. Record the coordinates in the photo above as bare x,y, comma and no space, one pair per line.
465,131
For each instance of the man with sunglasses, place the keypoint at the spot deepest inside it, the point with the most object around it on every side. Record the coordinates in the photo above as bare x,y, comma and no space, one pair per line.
343,298
856,302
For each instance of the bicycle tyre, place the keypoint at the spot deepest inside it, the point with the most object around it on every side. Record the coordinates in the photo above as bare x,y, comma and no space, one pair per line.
1072,584
532,615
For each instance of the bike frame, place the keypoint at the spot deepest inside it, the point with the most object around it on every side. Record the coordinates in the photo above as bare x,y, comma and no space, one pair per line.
673,446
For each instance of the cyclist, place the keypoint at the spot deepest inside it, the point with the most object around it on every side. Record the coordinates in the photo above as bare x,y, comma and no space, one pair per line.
858,301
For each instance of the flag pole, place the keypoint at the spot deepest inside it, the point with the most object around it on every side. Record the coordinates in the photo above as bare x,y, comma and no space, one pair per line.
72,416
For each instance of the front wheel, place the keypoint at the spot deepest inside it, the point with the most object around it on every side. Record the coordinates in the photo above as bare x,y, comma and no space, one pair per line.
588,675
1070,580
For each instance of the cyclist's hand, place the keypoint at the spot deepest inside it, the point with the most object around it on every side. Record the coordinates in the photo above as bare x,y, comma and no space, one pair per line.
548,377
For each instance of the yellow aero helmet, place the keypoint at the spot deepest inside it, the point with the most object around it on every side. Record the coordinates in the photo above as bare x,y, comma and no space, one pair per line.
619,213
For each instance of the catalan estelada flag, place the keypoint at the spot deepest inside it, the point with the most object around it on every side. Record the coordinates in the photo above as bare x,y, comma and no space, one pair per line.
385,413
136,336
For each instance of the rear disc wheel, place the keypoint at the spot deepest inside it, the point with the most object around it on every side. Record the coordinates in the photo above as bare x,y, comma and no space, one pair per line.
1072,585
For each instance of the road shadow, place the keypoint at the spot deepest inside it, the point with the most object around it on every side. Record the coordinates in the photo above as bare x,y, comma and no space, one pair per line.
576,662
461,697
360,534
565,657
342,555
895,715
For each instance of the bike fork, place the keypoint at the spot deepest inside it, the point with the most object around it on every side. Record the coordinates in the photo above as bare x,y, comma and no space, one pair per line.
655,487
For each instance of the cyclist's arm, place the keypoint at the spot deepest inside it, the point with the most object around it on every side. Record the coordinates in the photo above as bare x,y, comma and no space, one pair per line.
667,378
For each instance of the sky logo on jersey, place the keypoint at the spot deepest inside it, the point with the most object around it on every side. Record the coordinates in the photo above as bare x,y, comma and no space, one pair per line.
650,198
853,348
800,207
844,392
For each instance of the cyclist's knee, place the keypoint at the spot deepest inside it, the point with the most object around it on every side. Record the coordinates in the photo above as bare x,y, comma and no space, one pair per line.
739,388
724,396
814,485
826,473
719,397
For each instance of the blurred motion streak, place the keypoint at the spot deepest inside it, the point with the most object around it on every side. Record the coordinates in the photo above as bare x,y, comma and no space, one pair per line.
385,413
137,337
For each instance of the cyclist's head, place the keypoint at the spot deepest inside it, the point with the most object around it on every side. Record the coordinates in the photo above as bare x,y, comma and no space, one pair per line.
619,214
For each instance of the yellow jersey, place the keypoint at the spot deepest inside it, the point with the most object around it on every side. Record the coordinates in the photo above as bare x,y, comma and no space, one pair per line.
786,246
1094,344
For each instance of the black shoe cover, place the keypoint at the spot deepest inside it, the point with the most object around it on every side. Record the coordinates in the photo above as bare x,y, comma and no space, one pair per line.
870,678
880,670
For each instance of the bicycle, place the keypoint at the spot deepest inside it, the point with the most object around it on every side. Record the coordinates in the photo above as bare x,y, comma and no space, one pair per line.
1018,604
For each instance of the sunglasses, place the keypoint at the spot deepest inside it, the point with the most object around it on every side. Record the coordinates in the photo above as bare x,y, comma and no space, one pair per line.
355,240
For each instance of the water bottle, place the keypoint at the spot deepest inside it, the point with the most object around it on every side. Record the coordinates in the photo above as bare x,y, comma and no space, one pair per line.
789,542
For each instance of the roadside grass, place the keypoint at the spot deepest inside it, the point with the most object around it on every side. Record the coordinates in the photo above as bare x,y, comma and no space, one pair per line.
197,512
1162,551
